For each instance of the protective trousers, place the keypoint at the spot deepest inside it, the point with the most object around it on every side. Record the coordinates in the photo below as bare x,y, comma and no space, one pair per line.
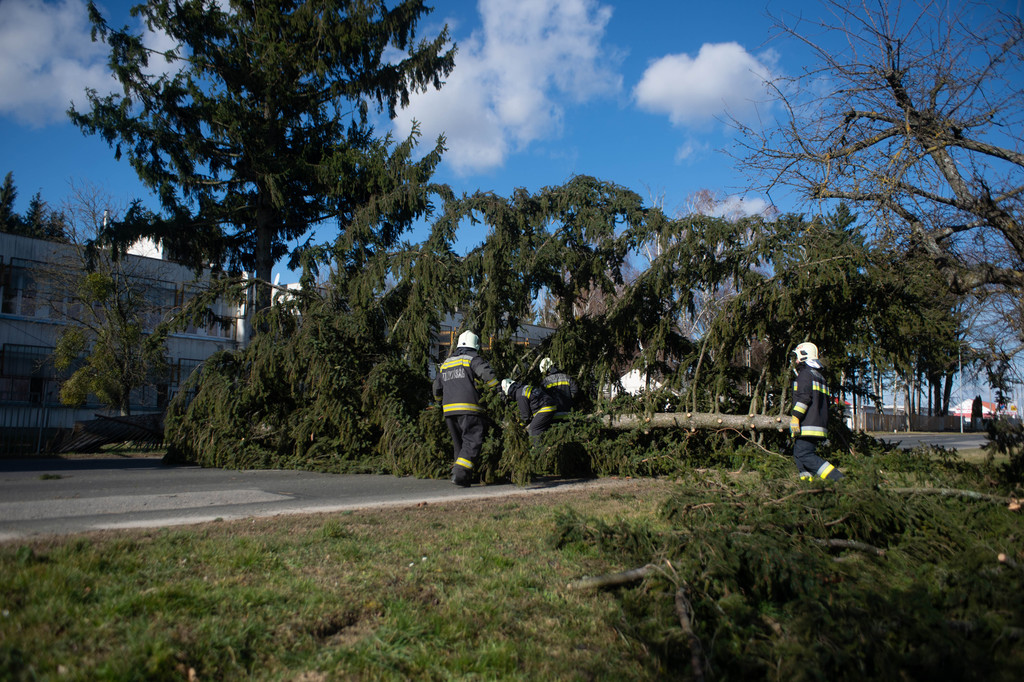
538,425
809,465
468,431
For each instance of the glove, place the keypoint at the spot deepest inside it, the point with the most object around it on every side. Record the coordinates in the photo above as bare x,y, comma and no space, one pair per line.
794,427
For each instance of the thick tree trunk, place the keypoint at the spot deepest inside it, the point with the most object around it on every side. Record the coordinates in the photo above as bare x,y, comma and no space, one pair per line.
264,268
696,420
263,255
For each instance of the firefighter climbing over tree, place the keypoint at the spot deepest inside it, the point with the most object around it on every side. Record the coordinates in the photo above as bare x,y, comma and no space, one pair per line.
536,407
560,386
455,387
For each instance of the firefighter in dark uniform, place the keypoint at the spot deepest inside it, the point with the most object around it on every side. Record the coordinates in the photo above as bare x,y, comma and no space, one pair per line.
560,386
536,406
808,422
455,387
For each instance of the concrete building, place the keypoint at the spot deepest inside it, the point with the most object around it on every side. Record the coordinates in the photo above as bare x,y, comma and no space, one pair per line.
35,305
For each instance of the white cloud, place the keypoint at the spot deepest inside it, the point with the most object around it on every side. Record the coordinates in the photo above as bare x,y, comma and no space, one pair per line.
510,76
692,149
693,91
47,59
731,206
735,207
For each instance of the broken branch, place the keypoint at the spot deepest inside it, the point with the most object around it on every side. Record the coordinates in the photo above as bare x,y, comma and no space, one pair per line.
850,544
612,579
683,610
951,492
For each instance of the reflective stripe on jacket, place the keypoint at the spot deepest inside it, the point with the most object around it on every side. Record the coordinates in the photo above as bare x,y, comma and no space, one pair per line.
810,402
562,388
532,401
455,383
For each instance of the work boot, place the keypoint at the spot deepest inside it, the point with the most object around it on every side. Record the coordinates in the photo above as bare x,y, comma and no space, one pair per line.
462,477
835,475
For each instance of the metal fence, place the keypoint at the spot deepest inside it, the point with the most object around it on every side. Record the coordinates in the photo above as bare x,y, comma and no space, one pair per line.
25,429
902,422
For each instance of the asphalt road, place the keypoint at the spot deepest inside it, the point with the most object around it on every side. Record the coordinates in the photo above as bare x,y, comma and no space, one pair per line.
949,440
62,496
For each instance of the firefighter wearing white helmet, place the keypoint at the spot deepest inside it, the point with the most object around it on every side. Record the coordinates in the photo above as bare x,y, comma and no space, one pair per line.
455,387
536,406
808,422
560,386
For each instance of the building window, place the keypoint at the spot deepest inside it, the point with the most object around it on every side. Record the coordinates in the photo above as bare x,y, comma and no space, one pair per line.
180,370
27,373
20,295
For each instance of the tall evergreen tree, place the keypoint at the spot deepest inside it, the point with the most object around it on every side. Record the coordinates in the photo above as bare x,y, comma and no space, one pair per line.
35,216
41,222
260,130
9,219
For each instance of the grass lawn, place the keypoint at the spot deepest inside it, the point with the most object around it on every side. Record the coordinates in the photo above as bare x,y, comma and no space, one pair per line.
890,580
467,590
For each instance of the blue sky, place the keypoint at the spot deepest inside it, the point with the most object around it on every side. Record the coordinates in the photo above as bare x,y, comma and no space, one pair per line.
630,92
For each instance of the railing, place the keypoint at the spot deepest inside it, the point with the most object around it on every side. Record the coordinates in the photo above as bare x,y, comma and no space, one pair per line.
902,422
27,430
24,429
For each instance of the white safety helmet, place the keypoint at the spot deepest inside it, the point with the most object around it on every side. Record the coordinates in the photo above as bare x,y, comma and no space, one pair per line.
469,340
806,351
545,365
506,385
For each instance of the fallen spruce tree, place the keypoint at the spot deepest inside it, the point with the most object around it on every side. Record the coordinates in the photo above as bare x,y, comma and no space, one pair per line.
338,376
910,568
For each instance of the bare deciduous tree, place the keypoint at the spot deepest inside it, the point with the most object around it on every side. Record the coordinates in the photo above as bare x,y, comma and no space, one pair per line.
913,116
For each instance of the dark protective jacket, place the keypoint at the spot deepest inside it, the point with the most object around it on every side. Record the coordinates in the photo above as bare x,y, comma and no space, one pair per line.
456,382
563,388
810,401
532,401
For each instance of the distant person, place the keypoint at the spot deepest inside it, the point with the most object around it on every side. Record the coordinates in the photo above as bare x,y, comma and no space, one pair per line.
977,411
456,388
808,421
560,386
536,407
